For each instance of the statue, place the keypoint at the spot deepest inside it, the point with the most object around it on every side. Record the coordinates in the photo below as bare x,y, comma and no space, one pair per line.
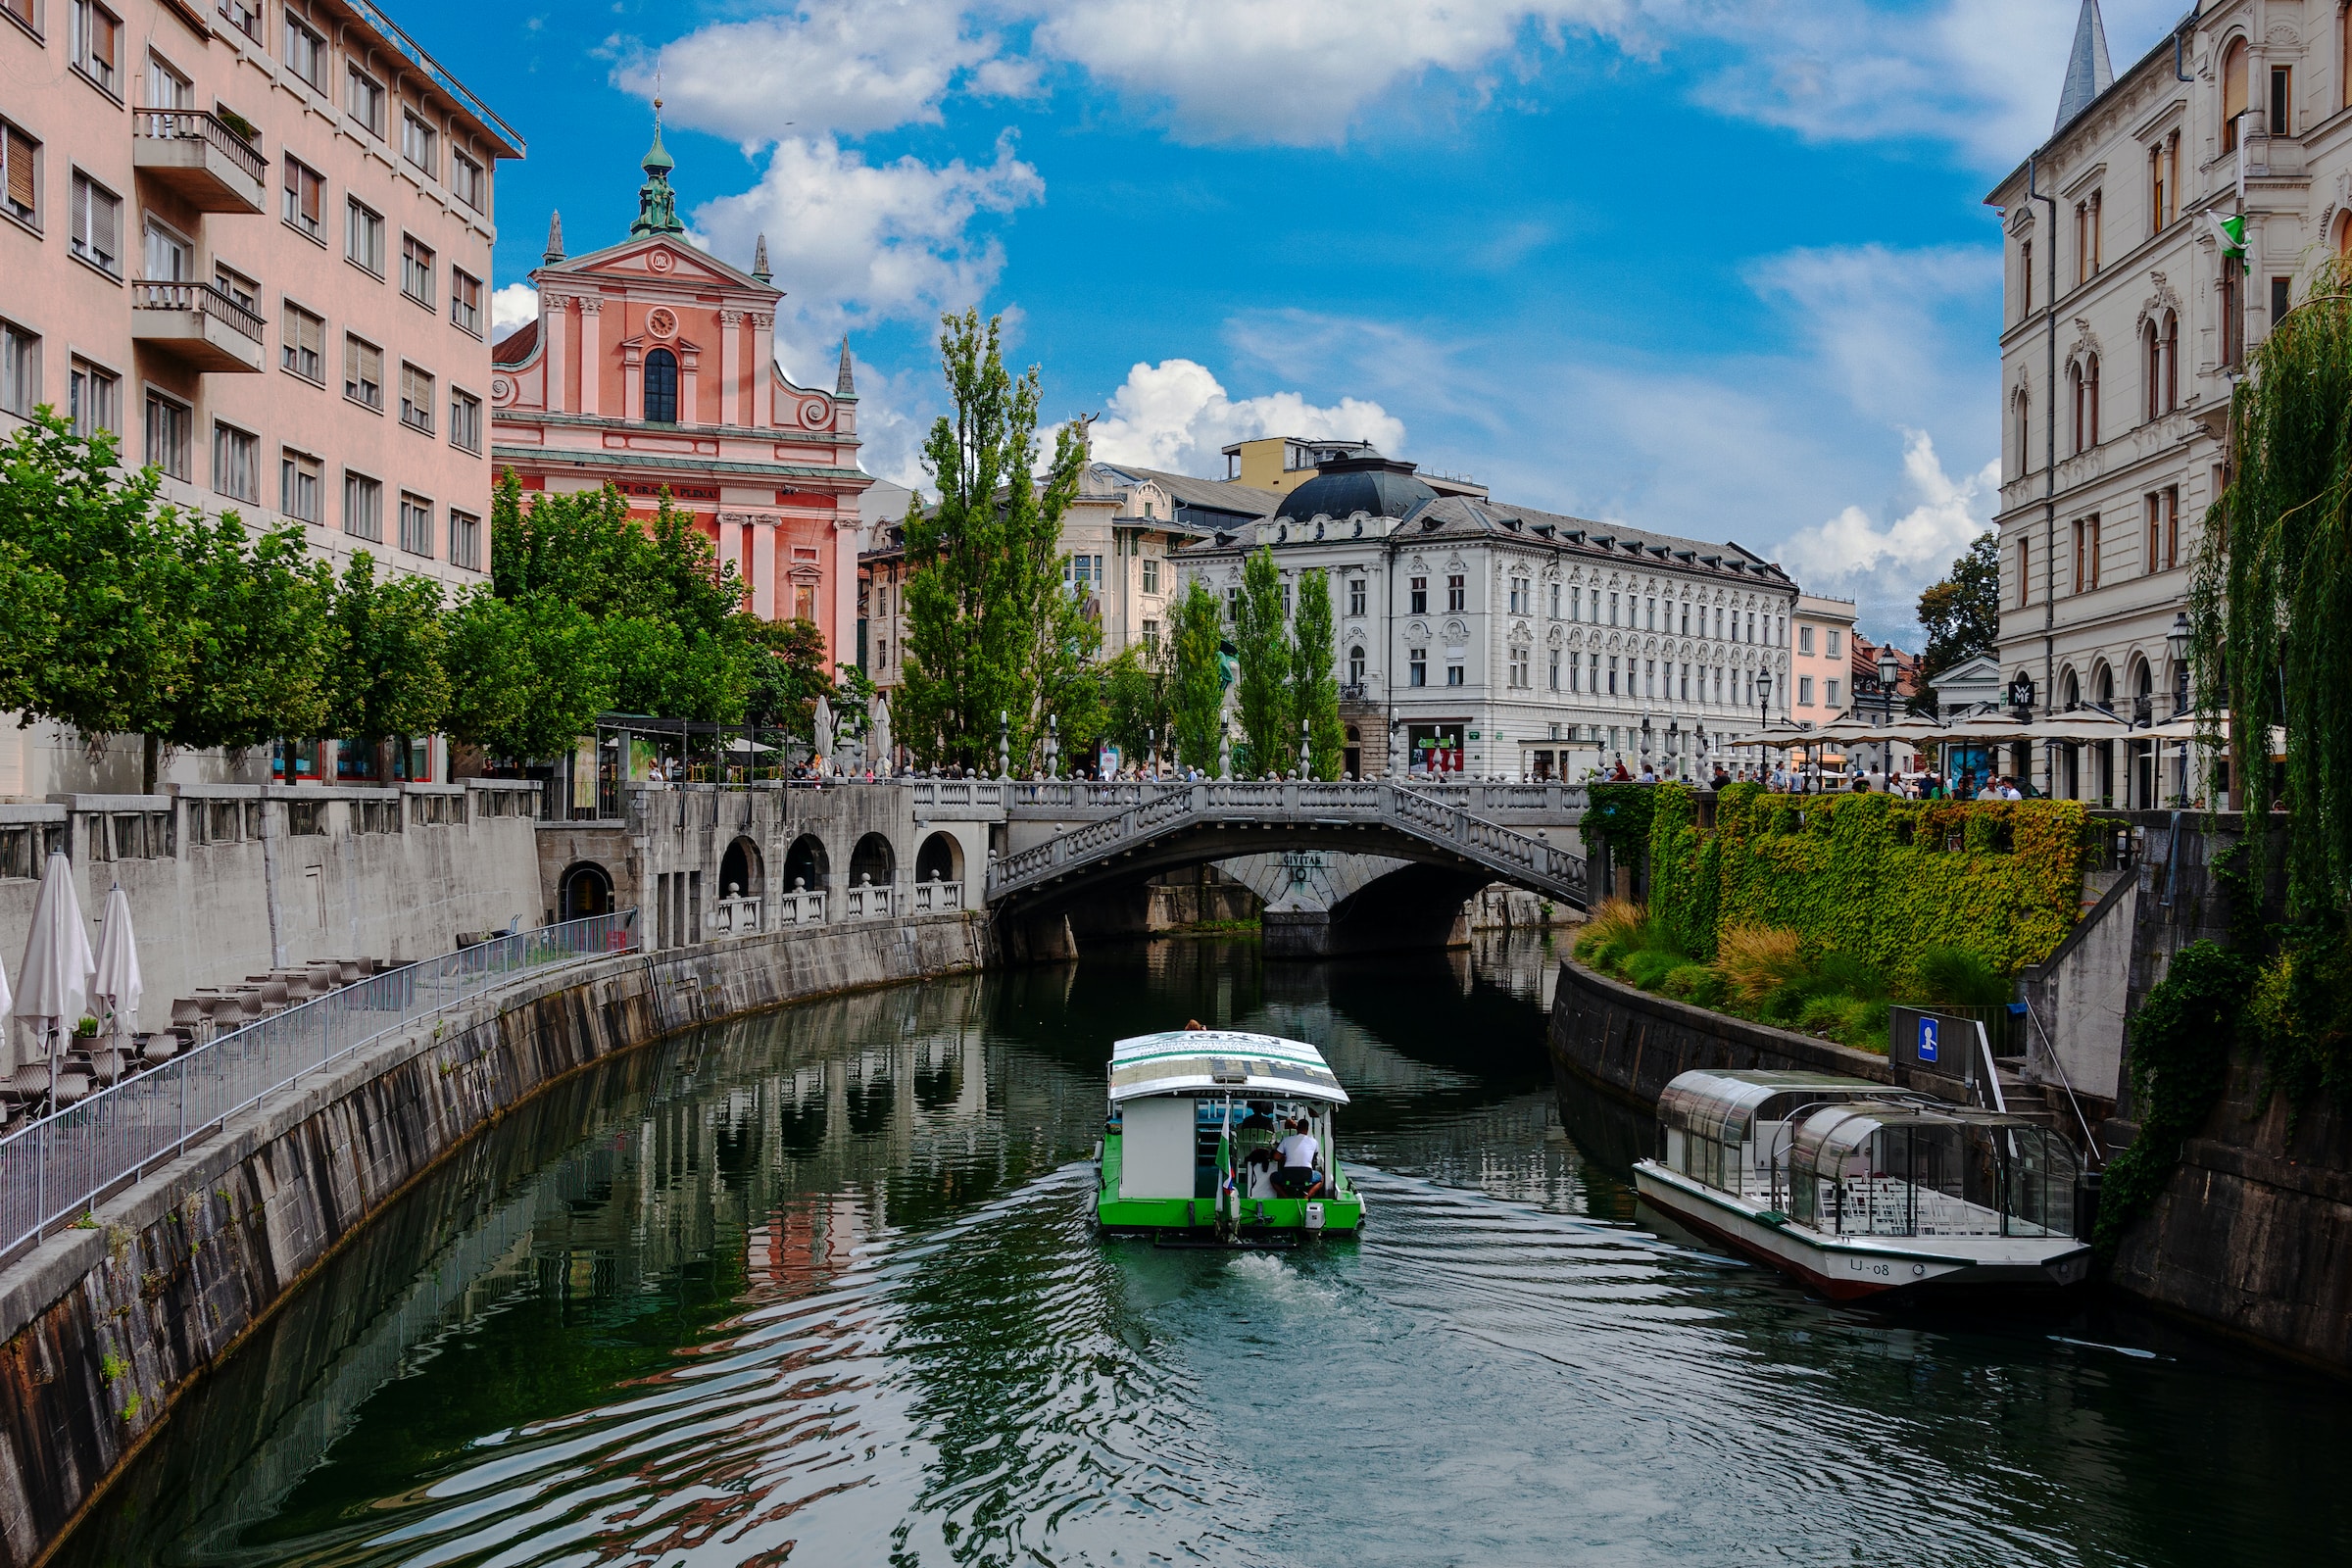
821,741
877,729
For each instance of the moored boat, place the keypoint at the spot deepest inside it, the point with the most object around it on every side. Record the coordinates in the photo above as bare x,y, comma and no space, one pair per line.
1860,1190
1201,1138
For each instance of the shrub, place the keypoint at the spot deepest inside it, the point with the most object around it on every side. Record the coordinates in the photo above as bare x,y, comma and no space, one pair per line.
1823,1015
1613,926
1648,967
1856,977
1756,961
1957,977
1687,980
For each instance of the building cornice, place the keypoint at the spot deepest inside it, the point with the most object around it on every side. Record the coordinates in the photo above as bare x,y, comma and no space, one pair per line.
560,456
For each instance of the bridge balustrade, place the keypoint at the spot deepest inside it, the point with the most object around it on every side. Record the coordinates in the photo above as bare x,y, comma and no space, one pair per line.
799,909
936,898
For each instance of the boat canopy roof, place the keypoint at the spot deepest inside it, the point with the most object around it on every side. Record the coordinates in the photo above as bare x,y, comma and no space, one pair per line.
1725,1104
1245,1065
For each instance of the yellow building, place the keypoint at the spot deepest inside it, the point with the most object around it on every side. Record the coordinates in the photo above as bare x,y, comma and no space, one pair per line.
1283,462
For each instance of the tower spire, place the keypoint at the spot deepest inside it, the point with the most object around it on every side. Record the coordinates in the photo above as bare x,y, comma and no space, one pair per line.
760,260
2087,71
845,383
656,203
555,239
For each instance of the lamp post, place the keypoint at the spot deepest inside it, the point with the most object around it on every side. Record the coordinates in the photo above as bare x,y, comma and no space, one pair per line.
1889,670
1003,743
1645,742
1763,710
1673,741
2177,644
1052,747
1305,752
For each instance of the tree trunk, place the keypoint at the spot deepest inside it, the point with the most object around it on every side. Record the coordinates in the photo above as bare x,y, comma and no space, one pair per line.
149,755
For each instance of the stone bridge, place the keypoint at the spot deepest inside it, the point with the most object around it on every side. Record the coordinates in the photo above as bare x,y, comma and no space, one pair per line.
1047,895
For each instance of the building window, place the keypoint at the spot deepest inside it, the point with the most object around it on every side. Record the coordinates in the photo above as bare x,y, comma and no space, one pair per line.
169,257
93,399
2025,573
2025,279
1518,596
1453,674
1355,666
2086,554
1357,591
803,601
1804,639
1833,642
171,428
1416,666
19,369
420,144
362,507
1417,596
465,421
305,200
1805,691
662,387
1830,689
1151,575
2087,244
306,53
1519,677
415,399
364,236
363,371
1150,636
467,183
302,344
2025,434
94,223
465,301
1612,674
415,524
236,462
94,44
1455,593
416,270
244,16
19,182
300,477
2281,299
2163,529
465,540
2283,97
2233,93
1556,601
364,97
1555,669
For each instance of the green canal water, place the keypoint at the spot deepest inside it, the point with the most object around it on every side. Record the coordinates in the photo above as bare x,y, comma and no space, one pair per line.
821,1288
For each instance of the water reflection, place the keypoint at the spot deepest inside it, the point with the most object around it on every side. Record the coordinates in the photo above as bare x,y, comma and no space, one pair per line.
822,1287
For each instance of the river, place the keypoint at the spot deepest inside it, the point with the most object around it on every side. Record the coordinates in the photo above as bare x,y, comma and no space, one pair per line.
822,1287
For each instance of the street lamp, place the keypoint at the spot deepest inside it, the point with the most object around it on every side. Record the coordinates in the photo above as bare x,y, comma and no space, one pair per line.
1890,669
2177,642
1673,740
1645,742
1763,710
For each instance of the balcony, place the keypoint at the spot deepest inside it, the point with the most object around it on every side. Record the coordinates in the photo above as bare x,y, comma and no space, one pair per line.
197,157
198,324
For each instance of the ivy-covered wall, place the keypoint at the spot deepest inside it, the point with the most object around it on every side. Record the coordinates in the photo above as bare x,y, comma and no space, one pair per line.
1871,876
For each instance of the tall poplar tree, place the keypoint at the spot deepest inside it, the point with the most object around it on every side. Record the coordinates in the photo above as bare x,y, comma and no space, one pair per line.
991,626
1314,680
1197,681
1261,638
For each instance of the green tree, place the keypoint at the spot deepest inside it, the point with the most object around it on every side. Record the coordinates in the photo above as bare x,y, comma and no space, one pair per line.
1963,613
527,677
1137,686
1262,640
260,615
1196,677
390,640
991,627
1314,679
788,676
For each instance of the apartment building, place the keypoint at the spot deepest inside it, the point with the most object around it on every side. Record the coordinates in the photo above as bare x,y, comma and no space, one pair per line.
2127,317
1820,638
255,241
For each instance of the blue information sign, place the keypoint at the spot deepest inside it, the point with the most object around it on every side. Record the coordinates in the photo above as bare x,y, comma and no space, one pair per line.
1927,1039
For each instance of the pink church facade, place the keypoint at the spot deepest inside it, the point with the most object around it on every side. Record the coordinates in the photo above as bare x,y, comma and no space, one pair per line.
651,368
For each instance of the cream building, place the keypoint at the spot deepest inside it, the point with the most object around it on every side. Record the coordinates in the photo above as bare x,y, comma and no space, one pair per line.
2123,333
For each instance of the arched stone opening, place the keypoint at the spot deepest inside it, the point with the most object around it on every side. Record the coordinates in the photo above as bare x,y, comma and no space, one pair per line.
739,870
805,866
939,860
872,861
584,888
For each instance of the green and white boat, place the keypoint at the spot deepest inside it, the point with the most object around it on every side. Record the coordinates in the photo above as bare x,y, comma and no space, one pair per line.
1197,1118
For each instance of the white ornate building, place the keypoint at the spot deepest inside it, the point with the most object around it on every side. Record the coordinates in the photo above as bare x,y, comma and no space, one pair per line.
2124,333
1477,636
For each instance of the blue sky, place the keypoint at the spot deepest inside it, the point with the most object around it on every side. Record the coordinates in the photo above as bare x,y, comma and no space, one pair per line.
1709,267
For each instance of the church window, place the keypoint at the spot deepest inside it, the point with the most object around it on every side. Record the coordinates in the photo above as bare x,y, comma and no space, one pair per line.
662,387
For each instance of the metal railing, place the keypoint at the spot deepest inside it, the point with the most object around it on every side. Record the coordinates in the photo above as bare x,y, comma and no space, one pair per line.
202,299
197,125
56,1167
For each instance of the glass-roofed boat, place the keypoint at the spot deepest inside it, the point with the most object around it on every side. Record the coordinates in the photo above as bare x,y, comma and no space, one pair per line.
1859,1189
1226,1132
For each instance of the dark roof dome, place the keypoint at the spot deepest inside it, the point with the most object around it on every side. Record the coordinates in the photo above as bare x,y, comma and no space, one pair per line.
1384,487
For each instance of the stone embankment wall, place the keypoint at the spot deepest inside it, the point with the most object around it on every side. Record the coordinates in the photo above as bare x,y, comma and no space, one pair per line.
101,1328
1632,1045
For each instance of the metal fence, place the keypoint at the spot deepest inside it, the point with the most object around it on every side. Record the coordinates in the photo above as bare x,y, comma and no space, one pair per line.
55,1167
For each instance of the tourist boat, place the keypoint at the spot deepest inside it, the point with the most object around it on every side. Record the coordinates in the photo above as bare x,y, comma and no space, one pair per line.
1860,1190
1188,1111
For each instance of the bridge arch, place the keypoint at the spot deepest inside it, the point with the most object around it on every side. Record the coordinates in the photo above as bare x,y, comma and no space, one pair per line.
938,859
805,866
584,888
739,870
872,860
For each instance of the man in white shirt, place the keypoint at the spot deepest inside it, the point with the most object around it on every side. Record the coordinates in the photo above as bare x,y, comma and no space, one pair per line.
1299,1154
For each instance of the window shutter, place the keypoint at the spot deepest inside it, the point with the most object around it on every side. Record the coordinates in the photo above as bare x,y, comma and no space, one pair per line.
79,215
106,217
20,170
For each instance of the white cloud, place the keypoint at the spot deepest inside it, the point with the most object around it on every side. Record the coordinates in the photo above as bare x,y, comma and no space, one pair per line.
853,242
1885,566
514,305
1175,416
1296,71
844,67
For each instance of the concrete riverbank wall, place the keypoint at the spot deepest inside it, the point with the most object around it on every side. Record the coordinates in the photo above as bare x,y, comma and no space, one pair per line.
101,1328
1630,1044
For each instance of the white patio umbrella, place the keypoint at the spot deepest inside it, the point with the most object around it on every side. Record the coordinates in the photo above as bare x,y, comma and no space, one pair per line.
115,978
54,976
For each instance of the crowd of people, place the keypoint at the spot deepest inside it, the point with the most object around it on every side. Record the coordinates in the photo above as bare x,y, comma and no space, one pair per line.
1924,784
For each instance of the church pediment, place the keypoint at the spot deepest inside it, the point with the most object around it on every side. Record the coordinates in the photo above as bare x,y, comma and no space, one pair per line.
662,259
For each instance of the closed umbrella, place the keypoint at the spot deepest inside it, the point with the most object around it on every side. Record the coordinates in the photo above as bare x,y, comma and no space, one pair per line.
56,973
115,978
